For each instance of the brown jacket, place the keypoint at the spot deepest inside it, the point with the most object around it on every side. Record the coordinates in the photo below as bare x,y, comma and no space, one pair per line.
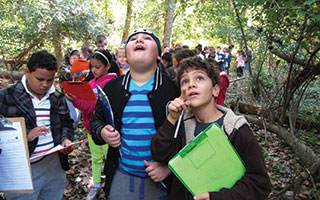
255,184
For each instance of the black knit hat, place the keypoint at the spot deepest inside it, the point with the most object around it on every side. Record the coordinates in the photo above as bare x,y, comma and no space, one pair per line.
147,31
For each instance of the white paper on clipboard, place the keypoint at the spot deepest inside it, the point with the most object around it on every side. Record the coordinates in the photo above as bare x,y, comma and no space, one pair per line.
15,169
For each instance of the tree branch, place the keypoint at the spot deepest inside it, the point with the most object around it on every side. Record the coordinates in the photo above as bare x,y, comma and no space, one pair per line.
287,57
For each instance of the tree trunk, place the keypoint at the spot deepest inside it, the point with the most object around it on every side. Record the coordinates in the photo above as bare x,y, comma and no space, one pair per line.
168,24
304,152
13,75
261,111
242,35
58,49
128,20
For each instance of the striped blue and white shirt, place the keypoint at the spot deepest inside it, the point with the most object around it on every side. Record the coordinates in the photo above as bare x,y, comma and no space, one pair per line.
138,127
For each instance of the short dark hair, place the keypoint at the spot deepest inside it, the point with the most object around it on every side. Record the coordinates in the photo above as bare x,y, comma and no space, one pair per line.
185,46
167,57
183,53
199,47
42,59
100,39
215,65
196,63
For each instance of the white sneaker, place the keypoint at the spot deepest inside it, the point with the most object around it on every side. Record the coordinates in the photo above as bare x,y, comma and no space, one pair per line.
94,191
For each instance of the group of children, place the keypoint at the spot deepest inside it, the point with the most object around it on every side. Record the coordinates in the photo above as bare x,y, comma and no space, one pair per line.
146,104
223,58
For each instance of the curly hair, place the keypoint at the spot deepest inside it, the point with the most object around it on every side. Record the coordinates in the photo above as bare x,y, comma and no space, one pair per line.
42,59
196,63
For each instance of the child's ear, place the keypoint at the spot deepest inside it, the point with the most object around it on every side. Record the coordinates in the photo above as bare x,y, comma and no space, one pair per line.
216,91
26,72
108,66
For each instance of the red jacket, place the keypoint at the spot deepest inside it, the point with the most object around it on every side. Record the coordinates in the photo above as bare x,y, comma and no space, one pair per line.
224,84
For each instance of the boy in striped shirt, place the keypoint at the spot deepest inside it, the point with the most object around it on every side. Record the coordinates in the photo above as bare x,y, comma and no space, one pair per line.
138,100
48,124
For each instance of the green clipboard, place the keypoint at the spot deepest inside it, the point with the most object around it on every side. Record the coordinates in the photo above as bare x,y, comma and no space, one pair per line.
208,163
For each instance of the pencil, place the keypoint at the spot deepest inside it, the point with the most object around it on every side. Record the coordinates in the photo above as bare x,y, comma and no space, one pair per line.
178,124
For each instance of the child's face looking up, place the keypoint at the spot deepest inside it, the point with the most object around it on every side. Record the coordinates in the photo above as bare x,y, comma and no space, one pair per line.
198,88
142,48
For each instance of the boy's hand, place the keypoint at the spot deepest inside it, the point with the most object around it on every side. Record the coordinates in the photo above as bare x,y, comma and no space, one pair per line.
65,143
202,197
37,131
70,97
176,106
111,136
157,171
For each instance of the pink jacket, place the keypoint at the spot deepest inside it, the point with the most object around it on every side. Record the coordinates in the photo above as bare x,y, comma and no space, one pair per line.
86,106
240,61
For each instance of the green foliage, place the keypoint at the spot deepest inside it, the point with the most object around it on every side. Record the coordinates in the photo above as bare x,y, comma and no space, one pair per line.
41,22
311,138
147,14
284,21
310,104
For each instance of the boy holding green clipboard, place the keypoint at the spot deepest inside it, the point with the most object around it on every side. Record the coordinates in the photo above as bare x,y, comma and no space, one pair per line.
199,87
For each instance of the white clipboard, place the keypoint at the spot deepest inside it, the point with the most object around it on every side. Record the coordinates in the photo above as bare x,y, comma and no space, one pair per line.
15,169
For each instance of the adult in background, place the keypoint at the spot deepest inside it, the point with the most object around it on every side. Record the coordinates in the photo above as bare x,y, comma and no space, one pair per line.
166,60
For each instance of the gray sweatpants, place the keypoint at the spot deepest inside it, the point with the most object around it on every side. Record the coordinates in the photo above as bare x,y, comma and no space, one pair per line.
121,184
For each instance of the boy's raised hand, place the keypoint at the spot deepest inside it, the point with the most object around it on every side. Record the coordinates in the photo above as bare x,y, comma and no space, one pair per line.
176,106
110,136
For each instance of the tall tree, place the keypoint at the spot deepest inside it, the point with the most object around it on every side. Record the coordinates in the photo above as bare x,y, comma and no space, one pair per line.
168,24
127,21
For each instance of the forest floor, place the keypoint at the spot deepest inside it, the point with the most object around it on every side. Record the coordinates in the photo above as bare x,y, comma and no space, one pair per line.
283,165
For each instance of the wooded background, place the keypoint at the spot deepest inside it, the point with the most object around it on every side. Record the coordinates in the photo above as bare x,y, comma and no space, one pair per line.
283,37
